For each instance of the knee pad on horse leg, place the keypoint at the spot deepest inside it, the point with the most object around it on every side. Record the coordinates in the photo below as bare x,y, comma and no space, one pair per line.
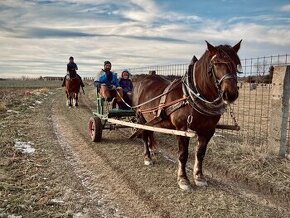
105,92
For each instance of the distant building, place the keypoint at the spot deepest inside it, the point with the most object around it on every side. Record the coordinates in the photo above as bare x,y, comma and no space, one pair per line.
50,78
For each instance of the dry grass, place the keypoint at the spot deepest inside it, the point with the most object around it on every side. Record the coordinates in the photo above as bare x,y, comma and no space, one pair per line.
251,166
20,99
18,83
34,185
3,107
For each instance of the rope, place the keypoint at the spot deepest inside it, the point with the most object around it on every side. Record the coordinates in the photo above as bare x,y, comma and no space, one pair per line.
149,110
233,116
152,99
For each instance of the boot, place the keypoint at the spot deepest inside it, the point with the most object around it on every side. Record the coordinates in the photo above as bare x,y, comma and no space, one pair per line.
63,82
81,81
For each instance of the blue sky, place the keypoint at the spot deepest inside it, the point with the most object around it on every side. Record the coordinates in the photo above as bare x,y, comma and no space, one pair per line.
38,36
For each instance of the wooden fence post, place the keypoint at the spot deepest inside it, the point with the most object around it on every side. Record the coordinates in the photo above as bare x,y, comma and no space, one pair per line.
279,110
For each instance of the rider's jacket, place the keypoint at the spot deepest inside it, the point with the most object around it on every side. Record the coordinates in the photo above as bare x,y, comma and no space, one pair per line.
72,67
109,78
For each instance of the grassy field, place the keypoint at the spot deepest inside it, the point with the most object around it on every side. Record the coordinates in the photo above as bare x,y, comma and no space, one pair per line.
18,83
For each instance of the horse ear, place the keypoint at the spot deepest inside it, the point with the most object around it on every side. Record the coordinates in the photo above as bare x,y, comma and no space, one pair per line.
237,46
193,60
212,50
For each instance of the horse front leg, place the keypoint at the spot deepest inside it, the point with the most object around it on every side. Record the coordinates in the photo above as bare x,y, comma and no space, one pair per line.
152,144
76,99
147,156
199,156
70,100
182,179
67,98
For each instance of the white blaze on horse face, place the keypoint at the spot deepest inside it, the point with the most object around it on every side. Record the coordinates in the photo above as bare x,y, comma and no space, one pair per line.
213,57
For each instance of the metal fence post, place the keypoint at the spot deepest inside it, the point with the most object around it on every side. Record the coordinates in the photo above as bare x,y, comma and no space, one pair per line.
279,111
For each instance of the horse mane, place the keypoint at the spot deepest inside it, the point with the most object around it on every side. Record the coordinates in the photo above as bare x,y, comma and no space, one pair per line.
202,69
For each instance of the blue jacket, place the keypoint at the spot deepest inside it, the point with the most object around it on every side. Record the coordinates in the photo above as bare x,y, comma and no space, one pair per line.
104,78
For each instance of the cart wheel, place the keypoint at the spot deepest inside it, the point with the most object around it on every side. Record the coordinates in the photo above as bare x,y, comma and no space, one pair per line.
95,129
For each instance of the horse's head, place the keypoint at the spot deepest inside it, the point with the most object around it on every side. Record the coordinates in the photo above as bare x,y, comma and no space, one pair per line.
224,66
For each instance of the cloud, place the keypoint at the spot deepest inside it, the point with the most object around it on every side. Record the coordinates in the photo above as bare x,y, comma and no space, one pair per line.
285,8
57,33
40,35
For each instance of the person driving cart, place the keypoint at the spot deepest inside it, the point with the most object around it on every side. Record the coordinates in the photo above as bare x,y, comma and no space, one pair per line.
107,84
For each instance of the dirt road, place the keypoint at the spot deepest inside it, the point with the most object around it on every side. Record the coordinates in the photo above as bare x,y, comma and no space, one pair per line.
108,179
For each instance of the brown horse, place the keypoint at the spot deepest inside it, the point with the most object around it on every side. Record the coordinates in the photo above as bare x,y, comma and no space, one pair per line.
196,101
72,88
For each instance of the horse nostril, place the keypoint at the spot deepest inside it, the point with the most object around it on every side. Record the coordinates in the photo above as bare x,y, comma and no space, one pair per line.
230,97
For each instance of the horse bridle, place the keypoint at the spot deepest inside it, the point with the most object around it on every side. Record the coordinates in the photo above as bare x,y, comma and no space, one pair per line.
231,75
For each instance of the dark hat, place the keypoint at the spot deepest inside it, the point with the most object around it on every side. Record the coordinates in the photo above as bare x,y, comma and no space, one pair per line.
107,62
71,58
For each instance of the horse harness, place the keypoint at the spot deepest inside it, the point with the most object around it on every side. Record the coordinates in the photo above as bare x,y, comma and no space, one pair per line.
191,95
162,110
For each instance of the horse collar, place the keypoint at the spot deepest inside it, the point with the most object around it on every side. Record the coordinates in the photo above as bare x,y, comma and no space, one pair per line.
197,101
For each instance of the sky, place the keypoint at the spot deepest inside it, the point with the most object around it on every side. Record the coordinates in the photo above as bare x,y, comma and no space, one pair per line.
37,37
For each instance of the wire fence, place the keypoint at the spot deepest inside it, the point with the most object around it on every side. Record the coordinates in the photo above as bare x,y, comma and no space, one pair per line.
252,109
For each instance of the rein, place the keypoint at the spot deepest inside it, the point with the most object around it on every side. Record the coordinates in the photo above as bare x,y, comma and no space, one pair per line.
152,99
72,75
161,106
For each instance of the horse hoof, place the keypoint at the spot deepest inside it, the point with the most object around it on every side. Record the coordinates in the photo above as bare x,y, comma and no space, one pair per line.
148,162
184,185
201,182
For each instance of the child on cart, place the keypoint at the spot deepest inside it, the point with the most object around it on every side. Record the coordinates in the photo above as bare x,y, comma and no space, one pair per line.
127,85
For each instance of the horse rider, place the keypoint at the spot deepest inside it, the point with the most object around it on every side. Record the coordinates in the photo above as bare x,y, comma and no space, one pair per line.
72,68
107,84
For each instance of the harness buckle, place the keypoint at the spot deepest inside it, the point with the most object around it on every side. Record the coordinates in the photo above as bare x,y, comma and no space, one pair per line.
189,119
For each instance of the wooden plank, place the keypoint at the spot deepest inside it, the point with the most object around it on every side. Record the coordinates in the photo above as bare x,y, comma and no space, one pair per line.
230,127
152,128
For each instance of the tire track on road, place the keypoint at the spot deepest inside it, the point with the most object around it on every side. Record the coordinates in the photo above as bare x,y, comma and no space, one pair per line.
110,195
